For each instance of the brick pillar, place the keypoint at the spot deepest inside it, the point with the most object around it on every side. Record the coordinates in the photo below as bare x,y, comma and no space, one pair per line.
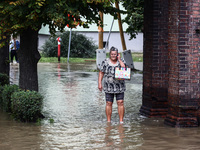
155,71
184,65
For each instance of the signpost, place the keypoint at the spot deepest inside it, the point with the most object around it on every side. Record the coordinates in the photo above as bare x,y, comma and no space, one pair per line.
59,40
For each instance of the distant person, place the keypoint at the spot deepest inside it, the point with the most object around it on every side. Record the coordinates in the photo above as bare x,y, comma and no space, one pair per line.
14,47
111,86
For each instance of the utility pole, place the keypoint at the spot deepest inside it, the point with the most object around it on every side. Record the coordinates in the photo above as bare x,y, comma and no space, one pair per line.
100,30
120,27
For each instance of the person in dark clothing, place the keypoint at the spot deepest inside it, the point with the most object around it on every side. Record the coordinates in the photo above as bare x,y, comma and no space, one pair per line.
14,47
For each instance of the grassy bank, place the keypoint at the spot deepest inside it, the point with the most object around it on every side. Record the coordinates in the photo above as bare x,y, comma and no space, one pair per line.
64,60
137,57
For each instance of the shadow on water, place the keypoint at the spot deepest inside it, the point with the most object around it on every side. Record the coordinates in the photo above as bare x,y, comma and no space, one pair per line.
73,101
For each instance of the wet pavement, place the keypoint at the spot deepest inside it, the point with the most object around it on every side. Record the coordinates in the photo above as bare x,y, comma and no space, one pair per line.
73,101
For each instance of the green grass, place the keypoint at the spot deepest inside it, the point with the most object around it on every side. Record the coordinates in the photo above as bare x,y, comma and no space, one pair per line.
64,60
137,57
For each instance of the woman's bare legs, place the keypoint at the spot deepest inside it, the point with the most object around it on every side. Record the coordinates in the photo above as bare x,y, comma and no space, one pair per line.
109,110
121,110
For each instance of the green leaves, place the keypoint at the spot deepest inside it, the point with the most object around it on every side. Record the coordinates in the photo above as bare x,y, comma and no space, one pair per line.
15,16
46,11
40,3
135,16
81,46
4,79
23,105
8,90
27,105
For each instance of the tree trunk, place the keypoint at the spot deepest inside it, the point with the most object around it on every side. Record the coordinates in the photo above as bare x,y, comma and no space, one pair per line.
101,31
28,59
120,27
4,58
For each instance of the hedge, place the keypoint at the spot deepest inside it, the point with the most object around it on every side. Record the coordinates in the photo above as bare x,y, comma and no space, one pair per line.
4,79
23,105
26,105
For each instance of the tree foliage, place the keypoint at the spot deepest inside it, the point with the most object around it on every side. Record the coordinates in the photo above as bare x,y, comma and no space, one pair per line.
17,15
135,16
25,17
81,46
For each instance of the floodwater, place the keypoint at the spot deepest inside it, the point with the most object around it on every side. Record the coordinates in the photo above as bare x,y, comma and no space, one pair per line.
72,100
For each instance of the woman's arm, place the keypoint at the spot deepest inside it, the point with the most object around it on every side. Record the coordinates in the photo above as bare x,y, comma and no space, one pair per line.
120,61
101,74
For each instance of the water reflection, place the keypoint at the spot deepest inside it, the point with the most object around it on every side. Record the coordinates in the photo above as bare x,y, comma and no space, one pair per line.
14,73
113,133
78,108
18,136
72,99
58,68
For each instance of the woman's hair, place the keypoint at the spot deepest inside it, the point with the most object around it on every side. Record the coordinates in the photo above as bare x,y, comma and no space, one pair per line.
113,49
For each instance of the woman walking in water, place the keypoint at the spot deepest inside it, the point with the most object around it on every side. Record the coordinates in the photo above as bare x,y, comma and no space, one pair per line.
111,86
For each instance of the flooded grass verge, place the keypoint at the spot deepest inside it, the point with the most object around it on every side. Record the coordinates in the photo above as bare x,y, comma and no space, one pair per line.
137,57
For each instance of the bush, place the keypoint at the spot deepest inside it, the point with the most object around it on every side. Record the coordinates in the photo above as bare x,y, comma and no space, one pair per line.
1,90
6,96
81,46
4,79
27,105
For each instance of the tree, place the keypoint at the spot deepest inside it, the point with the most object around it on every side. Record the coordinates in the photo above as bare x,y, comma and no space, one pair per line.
25,17
4,57
135,16
81,46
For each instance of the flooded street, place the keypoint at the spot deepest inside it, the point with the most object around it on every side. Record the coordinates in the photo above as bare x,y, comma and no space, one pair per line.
73,101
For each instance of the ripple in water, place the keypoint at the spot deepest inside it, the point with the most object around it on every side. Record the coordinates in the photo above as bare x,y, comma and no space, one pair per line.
72,99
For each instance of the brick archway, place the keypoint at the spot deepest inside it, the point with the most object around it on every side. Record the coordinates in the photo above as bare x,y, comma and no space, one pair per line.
171,77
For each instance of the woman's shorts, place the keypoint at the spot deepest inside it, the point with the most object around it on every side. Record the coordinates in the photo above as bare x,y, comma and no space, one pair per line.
110,96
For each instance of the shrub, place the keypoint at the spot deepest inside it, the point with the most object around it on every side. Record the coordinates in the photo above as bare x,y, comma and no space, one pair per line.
6,96
1,90
4,79
27,105
81,46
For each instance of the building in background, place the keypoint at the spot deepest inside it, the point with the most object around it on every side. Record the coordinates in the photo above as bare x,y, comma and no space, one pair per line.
135,45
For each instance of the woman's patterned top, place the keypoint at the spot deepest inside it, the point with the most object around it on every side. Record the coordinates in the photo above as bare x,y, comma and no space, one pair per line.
110,84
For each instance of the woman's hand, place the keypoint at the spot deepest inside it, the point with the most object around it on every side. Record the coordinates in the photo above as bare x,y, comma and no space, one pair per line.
120,61
119,56
101,74
100,87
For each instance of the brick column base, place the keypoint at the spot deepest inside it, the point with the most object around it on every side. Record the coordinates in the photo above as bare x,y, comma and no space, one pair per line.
184,64
153,112
154,107
186,117
155,71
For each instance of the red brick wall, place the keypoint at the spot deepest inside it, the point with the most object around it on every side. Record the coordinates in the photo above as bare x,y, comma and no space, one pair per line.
155,71
184,65
173,40
171,73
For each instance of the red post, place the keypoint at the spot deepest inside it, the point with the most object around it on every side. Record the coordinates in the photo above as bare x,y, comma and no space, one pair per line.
59,40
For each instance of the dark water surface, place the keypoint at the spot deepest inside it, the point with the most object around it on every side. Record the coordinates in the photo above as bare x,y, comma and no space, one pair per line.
72,99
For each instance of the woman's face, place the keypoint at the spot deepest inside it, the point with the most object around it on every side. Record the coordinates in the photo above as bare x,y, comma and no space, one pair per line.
113,55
